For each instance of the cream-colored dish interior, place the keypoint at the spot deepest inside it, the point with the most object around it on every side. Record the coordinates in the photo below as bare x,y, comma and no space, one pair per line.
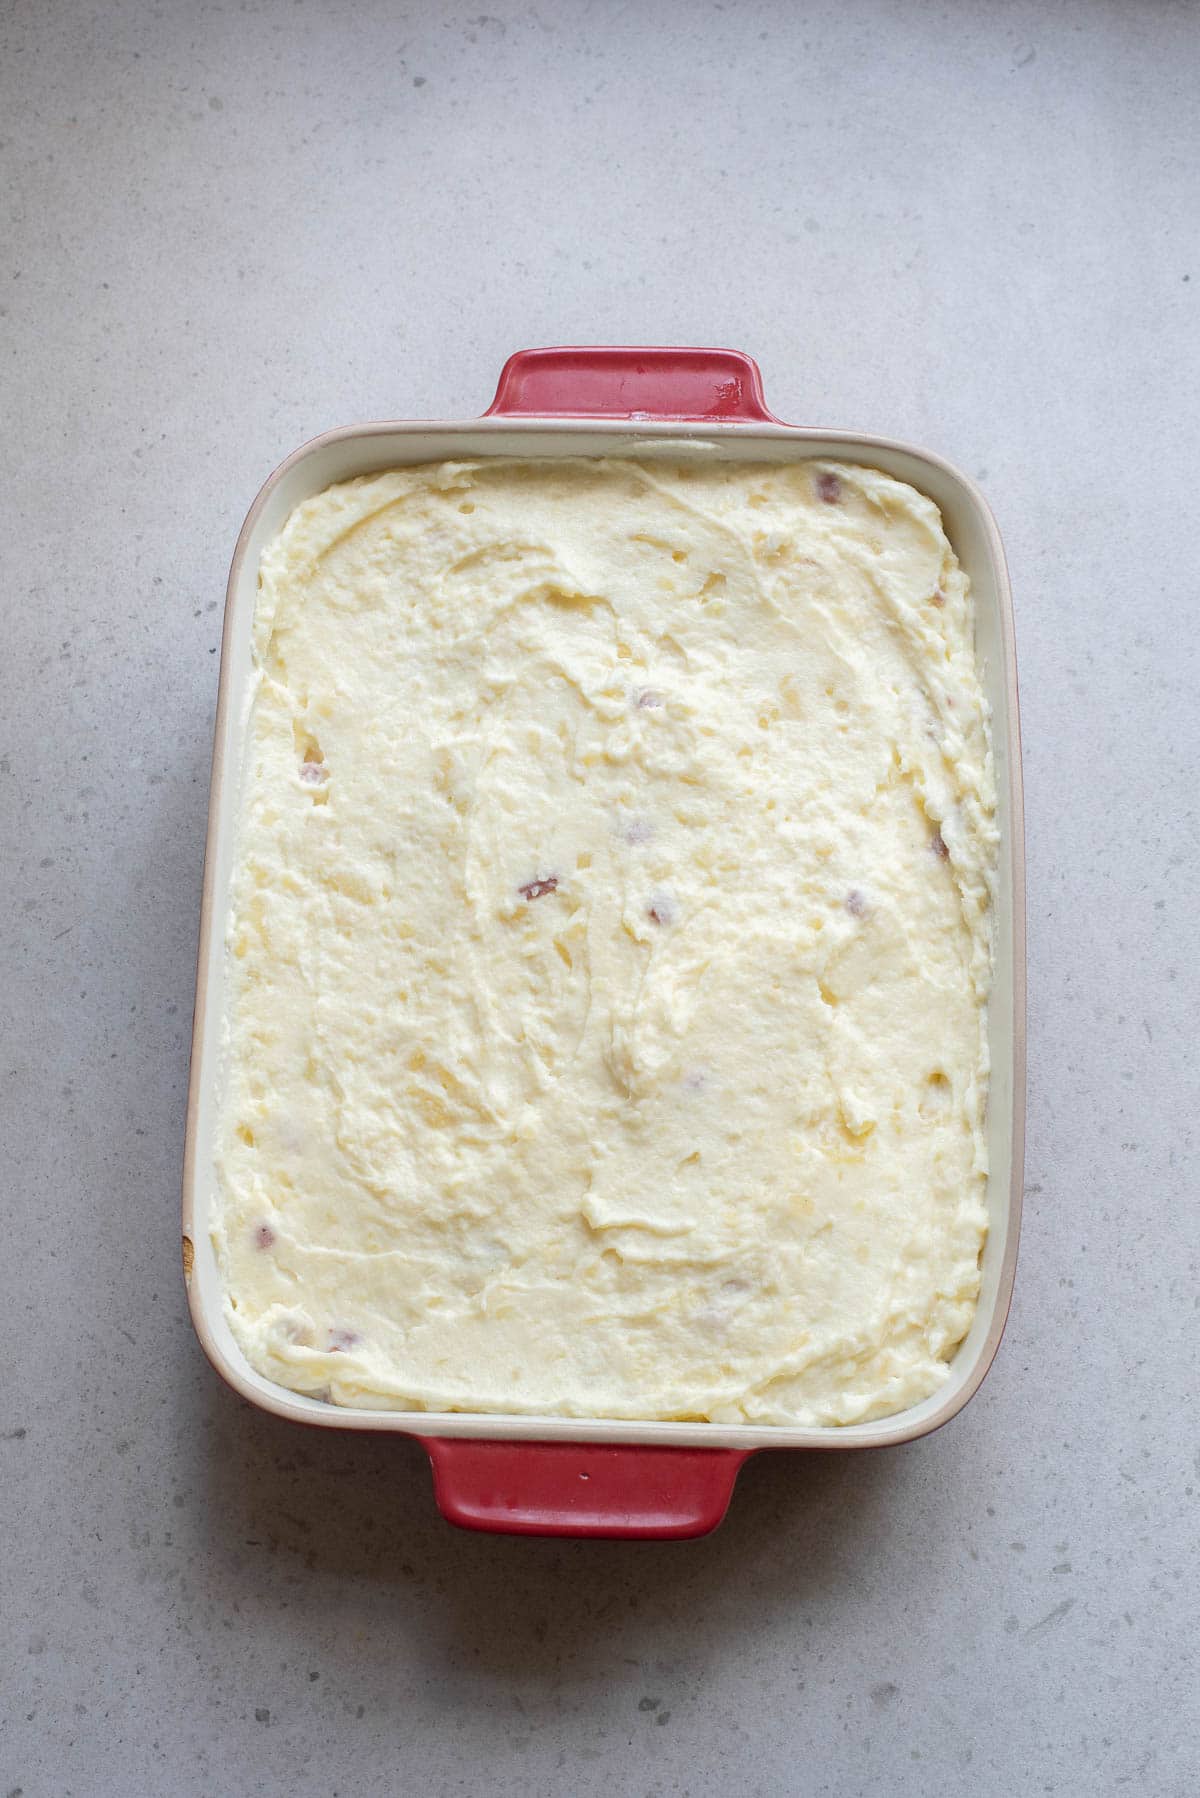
968,531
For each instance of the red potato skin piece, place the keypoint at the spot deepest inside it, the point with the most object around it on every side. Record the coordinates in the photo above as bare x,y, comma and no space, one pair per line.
537,889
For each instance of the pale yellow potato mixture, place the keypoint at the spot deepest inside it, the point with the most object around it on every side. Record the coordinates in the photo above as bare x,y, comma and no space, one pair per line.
610,946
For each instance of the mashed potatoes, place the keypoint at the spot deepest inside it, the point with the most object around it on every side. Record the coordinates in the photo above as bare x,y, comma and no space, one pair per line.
610,946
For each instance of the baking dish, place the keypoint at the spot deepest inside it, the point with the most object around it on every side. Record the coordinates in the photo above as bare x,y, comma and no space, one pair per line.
573,1476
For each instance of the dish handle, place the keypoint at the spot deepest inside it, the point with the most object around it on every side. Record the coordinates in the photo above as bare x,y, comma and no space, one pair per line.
582,1488
611,381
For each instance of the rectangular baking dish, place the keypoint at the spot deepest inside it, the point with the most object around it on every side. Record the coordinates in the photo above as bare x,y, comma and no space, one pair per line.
572,1476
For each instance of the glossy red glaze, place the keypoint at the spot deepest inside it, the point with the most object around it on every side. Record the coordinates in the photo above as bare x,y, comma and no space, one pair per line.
601,1489
596,1488
581,1488
610,381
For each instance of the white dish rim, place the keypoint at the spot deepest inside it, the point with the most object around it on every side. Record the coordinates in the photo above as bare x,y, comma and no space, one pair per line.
367,447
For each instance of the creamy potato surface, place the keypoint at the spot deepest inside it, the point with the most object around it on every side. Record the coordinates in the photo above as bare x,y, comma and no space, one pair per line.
610,946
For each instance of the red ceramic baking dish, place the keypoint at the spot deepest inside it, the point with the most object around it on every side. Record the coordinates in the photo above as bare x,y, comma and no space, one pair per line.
576,1476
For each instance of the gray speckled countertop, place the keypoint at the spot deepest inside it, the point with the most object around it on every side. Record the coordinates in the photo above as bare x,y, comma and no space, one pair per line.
227,227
